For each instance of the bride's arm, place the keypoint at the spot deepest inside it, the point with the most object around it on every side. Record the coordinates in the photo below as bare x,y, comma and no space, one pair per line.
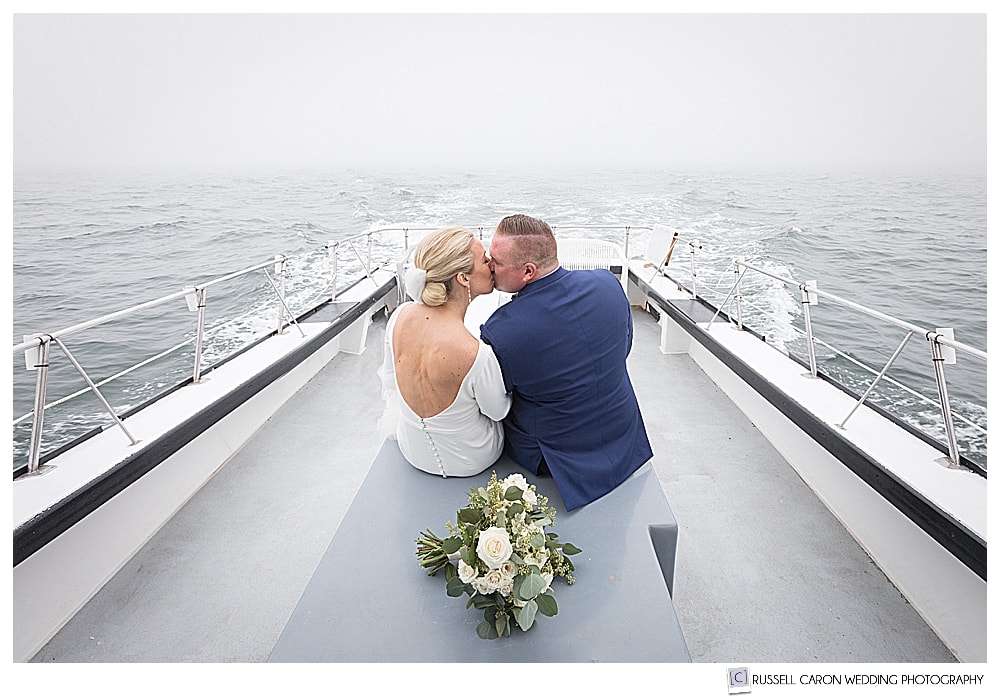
491,396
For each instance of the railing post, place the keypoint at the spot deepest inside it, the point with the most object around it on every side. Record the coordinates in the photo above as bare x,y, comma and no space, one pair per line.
281,272
369,266
694,272
199,339
738,297
332,248
628,230
809,298
941,355
41,365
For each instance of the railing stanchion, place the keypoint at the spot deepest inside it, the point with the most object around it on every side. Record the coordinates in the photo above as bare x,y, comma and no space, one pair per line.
281,272
41,381
941,355
200,333
694,272
368,267
738,297
332,248
809,298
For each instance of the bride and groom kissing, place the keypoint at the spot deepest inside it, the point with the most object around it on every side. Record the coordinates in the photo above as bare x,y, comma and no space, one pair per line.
545,382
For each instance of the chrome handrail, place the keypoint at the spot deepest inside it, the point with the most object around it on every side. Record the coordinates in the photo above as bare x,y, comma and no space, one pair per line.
333,247
38,355
938,340
902,324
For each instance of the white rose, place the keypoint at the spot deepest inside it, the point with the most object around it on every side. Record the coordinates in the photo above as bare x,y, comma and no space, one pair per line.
495,579
516,480
466,572
548,577
506,586
530,498
508,570
494,547
481,585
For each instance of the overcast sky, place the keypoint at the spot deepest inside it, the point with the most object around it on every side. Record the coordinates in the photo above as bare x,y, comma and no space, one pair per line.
479,91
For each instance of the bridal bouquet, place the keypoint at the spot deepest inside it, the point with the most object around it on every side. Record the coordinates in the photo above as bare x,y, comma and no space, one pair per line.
500,554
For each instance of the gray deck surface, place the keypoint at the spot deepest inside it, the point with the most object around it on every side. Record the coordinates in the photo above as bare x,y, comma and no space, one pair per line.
764,572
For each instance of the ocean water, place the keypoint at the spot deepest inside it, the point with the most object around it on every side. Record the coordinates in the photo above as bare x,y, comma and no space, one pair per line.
912,246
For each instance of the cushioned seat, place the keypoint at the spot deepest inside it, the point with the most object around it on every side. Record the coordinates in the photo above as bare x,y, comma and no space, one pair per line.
370,601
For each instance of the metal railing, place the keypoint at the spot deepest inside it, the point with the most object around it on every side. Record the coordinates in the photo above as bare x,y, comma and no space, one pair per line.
362,248
38,354
351,244
941,341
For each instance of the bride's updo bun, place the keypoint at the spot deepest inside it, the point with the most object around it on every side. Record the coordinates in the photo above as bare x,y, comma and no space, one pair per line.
443,254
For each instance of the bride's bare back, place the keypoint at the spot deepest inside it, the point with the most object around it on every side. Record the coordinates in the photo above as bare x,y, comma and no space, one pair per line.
433,352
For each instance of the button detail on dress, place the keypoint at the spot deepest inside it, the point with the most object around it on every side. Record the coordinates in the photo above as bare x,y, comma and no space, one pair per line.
430,440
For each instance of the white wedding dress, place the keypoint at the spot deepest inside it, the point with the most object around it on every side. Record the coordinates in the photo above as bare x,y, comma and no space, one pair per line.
463,439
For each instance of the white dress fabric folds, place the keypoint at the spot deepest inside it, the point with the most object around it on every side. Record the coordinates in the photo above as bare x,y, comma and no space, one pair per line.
463,439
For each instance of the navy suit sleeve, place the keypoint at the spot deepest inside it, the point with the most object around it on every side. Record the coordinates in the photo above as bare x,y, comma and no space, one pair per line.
485,333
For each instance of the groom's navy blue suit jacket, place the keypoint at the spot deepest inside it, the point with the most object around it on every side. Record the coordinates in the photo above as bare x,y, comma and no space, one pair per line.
562,344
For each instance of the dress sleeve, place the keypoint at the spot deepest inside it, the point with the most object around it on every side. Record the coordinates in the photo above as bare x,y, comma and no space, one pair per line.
491,396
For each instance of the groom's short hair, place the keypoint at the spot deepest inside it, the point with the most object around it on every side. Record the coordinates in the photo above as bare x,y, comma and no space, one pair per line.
534,239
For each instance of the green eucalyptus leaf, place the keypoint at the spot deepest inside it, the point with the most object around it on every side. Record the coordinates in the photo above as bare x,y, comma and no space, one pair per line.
513,493
450,545
515,509
537,541
503,624
456,587
501,519
486,631
570,549
526,615
470,515
483,601
518,581
531,586
547,604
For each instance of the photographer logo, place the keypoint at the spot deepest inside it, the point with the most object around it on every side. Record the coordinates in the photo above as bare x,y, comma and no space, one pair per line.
739,680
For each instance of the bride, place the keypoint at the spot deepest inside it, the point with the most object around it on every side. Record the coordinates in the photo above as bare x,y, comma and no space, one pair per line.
444,390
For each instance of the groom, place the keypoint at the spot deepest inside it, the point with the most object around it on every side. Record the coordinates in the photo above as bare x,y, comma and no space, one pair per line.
562,344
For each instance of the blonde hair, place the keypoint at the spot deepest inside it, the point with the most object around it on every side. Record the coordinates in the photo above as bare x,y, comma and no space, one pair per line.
443,254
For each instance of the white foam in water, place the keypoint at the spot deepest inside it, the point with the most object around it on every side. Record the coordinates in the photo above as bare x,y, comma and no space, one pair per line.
187,230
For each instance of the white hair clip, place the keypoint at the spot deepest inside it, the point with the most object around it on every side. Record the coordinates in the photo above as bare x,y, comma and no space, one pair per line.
414,280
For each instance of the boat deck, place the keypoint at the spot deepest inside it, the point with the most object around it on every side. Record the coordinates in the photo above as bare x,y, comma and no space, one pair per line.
764,572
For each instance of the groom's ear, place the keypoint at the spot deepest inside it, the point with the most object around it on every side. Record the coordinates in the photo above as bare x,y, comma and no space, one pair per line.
529,271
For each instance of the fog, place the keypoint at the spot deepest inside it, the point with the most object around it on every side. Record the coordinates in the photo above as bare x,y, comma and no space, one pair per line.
499,91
